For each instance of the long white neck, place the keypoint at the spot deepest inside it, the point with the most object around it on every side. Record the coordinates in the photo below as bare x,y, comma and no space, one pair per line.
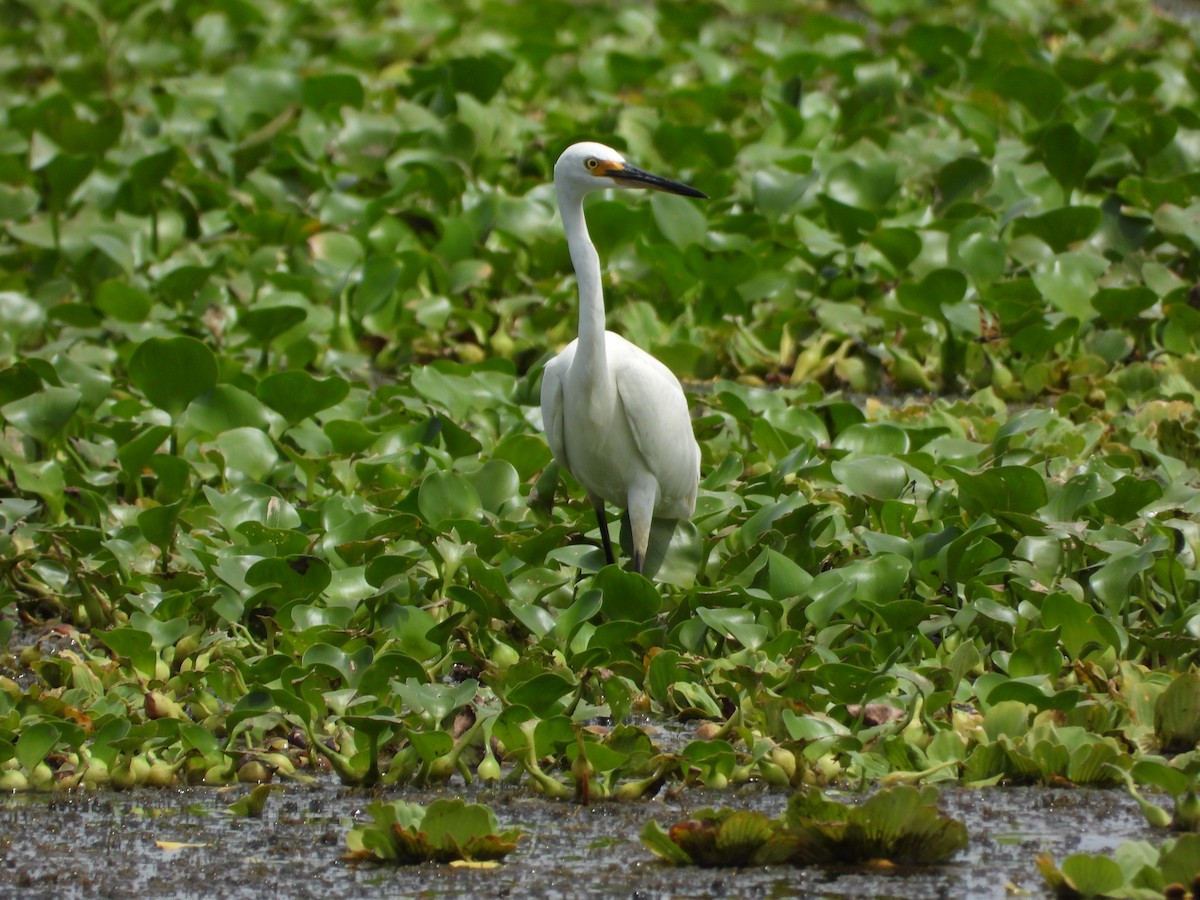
590,351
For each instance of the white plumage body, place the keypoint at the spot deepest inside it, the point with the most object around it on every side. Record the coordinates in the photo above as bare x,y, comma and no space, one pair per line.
615,417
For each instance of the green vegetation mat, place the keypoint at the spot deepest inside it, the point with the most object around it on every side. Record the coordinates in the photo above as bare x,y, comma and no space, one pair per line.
277,281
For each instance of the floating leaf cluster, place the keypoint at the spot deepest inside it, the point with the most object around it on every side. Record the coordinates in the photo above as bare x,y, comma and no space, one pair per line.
899,824
1136,870
444,831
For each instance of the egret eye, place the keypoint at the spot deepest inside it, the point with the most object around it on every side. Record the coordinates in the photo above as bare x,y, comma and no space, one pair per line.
592,163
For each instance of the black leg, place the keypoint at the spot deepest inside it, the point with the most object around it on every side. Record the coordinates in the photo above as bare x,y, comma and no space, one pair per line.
639,562
602,520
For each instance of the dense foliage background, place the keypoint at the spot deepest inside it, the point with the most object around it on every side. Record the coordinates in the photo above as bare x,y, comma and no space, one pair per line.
277,281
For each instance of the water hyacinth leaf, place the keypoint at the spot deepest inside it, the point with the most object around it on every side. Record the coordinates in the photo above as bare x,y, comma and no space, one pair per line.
350,666
545,694
879,579
457,826
140,190
496,482
961,179
830,592
736,623
674,554
172,372
331,91
1079,491
1112,580
980,255
1037,90
163,633
17,381
1148,135
1182,224
777,191
46,480
380,278
681,223
851,222
133,644
1001,489
1073,621
534,617
900,245
785,578
575,615
1070,284
293,577
849,684
874,477
296,395
941,287
1130,496
225,408
873,438
1068,155
627,596
249,452
1060,228
158,524
44,414
1119,305
265,323
447,495
34,743
349,436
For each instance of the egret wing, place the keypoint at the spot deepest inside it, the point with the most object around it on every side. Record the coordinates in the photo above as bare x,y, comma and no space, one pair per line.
657,412
553,376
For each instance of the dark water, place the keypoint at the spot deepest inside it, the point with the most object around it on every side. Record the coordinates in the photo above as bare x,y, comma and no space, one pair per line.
104,845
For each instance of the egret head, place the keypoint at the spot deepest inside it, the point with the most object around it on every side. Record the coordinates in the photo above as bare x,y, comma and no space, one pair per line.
588,166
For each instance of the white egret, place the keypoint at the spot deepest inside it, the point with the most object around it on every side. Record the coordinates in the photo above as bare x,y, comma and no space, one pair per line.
615,417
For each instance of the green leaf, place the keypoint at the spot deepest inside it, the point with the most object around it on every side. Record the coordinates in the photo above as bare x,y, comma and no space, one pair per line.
681,222
265,323
123,302
875,477
1068,155
34,743
1001,489
43,415
331,91
1060,228
1118,306
296,395
851,222
172,372
1037,90
1093,876
940,288
961,179
901,246
627,595
445,495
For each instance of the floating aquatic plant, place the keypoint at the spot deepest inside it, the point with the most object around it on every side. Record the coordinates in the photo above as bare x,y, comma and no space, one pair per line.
444,831
900,824
1136,870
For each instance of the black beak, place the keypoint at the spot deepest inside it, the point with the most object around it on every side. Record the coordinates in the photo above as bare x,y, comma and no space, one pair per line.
628,176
